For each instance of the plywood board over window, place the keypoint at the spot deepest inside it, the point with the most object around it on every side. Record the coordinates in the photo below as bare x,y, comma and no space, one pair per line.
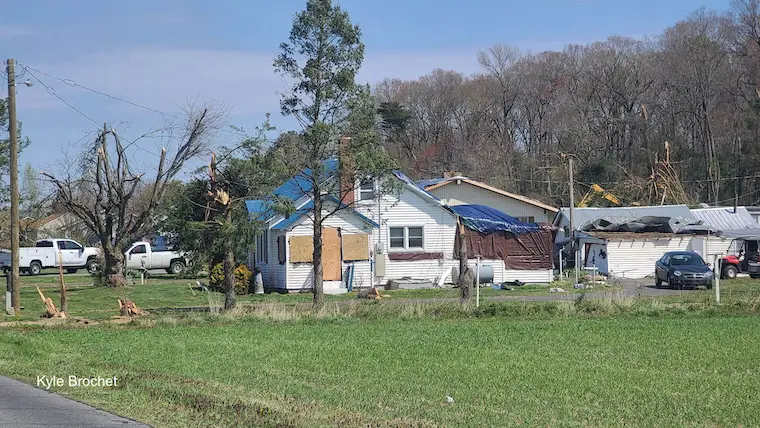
301,249
331,262
355,246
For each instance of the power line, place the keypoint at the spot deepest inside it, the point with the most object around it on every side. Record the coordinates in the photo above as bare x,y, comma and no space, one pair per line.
52,92
74,84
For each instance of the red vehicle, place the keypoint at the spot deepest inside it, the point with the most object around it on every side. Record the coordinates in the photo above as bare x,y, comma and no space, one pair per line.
747,259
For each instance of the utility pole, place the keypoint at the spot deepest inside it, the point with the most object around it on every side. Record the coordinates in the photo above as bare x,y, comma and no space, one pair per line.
572,216
13,131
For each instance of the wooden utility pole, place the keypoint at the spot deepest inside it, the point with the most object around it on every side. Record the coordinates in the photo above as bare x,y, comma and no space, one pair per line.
572,217
13,131
64,301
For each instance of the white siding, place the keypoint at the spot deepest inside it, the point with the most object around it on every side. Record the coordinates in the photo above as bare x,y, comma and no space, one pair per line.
635,257
411,209
465,193
300,275
715,245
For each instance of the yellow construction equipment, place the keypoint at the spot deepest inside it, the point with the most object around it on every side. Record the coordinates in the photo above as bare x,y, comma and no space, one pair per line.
597,190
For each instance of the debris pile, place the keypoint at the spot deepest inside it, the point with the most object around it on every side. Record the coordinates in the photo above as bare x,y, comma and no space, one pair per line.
129,309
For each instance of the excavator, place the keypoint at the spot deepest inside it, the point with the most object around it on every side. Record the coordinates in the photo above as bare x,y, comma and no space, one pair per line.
595,191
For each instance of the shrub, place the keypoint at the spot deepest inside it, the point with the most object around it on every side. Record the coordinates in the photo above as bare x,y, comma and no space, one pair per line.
242,278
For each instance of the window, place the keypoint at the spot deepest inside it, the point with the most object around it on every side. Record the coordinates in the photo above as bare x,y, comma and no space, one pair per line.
281,249
367,190
262,247
140,249
529,219
71,245
397,237
44,244
407,237
62,245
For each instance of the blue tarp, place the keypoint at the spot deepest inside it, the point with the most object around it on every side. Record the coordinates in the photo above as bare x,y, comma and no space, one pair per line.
488,220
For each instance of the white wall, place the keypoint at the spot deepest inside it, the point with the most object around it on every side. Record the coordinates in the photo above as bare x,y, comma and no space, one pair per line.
636,257
300,275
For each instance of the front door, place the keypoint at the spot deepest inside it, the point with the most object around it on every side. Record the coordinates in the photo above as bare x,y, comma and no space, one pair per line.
69,253
138,257
331,256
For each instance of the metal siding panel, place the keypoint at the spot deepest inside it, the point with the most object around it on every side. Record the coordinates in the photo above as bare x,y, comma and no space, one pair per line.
636,258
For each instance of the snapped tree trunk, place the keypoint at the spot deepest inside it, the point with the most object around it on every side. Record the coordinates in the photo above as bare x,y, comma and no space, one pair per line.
113,269
318,287
229,268
465,275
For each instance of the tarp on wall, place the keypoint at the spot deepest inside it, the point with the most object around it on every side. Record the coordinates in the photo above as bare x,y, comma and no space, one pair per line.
527,251
489,220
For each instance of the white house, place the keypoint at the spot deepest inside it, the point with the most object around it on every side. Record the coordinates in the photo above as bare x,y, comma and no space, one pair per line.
458,190
375,238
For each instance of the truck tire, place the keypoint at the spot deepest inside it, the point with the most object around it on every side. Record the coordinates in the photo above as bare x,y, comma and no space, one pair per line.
176,267
92,265
35,268
71,270
730,271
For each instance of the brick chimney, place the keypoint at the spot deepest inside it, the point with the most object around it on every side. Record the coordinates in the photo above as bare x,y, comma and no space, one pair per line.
346,171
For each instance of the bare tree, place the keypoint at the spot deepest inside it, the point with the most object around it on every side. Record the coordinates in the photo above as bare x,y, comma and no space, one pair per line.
114,200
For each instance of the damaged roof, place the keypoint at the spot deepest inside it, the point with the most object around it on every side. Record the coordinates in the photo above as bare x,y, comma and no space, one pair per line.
584,217
725,218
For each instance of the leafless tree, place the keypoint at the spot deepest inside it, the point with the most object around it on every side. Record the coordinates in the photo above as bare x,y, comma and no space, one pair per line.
117,202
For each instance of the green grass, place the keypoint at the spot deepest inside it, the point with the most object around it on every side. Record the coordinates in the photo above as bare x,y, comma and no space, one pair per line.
164,291
635,370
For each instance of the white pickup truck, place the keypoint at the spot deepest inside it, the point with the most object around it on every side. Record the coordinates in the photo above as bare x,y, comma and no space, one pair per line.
47,252
141,255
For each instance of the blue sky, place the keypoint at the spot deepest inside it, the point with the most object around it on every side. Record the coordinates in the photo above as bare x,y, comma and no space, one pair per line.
161,53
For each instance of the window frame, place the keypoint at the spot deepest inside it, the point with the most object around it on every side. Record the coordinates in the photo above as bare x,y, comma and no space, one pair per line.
360,192
406,246
143,245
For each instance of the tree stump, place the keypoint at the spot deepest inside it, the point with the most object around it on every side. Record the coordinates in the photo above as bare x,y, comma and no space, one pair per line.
50,310
129,309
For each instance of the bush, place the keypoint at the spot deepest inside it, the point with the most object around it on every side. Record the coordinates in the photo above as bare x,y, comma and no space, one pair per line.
242,278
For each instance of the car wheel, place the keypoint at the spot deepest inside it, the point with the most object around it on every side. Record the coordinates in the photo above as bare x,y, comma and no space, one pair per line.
709,285
730,272
35,268
658,282
71,270
176,267
92,266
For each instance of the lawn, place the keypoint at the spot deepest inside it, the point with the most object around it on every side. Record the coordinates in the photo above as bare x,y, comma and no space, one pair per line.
632,370
162,292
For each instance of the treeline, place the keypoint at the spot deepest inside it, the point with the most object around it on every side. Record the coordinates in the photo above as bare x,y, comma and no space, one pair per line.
611,104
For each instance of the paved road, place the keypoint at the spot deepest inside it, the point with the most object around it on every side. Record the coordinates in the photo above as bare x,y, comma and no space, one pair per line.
24,406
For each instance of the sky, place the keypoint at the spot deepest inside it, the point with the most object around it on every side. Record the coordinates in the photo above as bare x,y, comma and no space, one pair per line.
162,54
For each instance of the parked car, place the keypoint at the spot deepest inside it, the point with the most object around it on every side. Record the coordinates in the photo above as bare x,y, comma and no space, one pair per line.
142,255
683,268
47,252
5,261
747,259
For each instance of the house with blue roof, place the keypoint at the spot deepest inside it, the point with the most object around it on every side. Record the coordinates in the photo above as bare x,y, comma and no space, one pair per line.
377,236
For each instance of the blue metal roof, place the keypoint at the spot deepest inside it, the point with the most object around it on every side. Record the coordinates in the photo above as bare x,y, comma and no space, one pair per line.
300,185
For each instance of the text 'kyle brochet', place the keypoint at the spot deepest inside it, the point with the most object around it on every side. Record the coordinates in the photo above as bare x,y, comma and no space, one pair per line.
47,382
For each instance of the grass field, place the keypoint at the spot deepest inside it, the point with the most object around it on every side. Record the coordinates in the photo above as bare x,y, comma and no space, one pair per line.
671,361
635,371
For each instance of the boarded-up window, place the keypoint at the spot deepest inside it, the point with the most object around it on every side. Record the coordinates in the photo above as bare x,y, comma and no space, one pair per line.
356,246
301,249
281,249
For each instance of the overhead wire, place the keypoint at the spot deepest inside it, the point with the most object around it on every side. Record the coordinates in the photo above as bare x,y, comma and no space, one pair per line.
74,84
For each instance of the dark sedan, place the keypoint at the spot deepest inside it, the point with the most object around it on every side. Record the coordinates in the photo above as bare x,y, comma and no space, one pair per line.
681,269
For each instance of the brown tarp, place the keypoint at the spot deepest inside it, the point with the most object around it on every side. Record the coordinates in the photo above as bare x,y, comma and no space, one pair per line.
524,252
413,257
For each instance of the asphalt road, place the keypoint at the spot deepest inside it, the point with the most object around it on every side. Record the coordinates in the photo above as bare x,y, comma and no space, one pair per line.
24,406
